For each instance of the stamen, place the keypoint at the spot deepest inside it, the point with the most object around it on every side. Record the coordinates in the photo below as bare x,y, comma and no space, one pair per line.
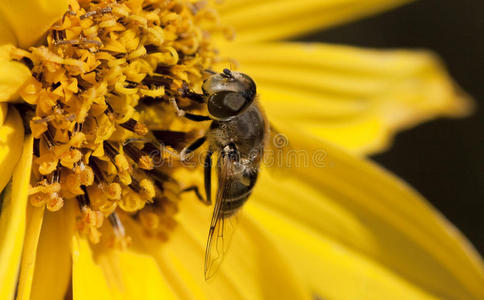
100,112
116,158
110,151
83,200
49,139
36,149
78,127
47,194
95,12
114,219
169,208
98,174
70,157
157,80
55,202
160,176
144,161
120,239
135,186
147,100
175,139
152,49
149,220
58,35
161,179
112,190
84,173
144,188
151,150
82,41
70,12
90,220
55,85
28,62
38,75
135,126
130,84
163,69
55,176
109,108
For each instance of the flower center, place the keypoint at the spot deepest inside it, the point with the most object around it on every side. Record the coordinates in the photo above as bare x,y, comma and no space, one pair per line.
100,113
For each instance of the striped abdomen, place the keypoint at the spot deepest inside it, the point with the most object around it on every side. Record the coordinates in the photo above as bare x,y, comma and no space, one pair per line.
236,192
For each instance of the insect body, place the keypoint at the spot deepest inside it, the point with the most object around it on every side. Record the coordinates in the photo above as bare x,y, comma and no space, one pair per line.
237,134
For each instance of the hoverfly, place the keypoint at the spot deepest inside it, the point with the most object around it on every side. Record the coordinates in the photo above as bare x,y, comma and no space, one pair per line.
237,134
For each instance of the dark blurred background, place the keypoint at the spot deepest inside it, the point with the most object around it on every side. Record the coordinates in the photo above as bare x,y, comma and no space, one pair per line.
443,159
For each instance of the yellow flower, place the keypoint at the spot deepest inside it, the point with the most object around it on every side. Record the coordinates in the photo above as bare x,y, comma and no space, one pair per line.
337,227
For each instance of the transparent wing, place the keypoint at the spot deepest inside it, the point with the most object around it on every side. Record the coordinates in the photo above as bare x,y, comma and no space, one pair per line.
221,228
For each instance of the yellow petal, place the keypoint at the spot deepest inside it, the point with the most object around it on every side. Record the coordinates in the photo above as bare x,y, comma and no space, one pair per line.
364,216
13,75
35,216
7,36
111,274
52,273
357,98
25,21
12,221
256,21
88,281
11,139
254,267
330,268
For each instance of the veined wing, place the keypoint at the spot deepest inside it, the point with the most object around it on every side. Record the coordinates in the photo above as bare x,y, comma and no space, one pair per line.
221,227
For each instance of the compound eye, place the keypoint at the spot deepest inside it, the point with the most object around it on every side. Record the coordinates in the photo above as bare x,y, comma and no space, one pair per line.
225,104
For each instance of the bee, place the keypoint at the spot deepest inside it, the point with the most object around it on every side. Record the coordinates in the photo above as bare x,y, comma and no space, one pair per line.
237,134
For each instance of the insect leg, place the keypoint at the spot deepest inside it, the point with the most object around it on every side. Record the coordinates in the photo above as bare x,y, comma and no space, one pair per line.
208,180
196,118
181,113
187,93
192,147
197,193
207,168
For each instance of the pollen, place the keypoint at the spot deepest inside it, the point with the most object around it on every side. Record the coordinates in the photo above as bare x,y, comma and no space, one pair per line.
99,109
